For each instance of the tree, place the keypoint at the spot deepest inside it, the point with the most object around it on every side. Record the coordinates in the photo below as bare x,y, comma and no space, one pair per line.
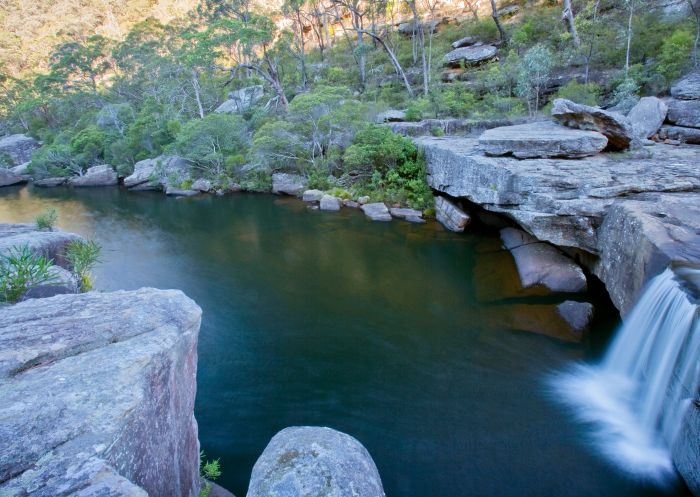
293,9
496,19
394,61
534,74
568,17
78,64
357,12
695,9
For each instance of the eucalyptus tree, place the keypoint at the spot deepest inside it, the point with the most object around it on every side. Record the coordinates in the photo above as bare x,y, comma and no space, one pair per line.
294,10
357,9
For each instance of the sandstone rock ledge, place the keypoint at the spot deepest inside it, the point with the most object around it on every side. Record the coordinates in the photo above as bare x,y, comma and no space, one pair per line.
98,394
639,210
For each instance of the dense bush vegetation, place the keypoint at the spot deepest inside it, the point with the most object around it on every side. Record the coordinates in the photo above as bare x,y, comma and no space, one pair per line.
119,98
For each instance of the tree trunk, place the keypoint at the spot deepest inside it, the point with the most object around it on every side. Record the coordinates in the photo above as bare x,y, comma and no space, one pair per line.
568,16
695,7
629,37
497,20
302,55
195,85
395,62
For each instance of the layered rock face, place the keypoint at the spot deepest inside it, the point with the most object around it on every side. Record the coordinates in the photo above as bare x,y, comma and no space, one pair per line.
309,461
158,173
98,395
565,202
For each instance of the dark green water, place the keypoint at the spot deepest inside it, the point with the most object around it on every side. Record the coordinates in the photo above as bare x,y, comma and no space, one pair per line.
404,336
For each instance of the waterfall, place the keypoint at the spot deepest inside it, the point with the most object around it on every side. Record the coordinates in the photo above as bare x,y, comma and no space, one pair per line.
634,401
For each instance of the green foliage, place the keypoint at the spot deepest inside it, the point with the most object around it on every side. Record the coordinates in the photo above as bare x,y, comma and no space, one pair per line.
209,471
587,94
212,144
534,74
47,219
20,270
82,256
675,54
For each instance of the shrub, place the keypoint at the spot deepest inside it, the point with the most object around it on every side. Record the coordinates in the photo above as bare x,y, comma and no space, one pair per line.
675,54
82,256
587,94
378,148
210,141
534,74
208,472
20,270
47,219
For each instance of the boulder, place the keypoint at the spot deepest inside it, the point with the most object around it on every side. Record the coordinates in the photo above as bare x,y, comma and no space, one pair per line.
50,182
180,192
406,214
50,244
648,116
351,203
312,196
577,314
390,116
467,41
684,113
8,178
18,148
241,100
376,211
308,461
329,203
450,215
687,88
407,28
98,394
202,185
158,173
22,169
61,281
96,176
539,263
680,133
363,200
288,184
508,11
616,127
541,139
470,55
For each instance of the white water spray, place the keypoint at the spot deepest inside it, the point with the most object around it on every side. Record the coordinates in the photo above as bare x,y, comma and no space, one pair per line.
636,399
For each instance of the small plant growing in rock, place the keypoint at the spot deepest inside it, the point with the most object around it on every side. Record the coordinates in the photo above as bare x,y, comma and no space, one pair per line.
82,256
46,220
20,270
208,472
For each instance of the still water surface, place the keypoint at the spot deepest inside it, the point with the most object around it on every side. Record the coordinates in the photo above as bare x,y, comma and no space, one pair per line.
406,337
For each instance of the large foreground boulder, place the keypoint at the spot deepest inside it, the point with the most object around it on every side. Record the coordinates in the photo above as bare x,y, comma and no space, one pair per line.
17,148
684,113
102,175
98,395
450,215
687,88
470,55
648,116
8,178
307,461
542,264
616,127
158,173
541,140
288,184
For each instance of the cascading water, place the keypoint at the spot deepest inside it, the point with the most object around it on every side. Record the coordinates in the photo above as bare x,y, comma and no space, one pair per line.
635,400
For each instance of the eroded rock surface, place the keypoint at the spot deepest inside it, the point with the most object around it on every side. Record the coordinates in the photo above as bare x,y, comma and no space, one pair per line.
648,116
241,100
688,87
8,177
470,55
98,395
309,461
18,148
376,211
565,202
540,263
288,184
541,139
50,244
102,175
158,173
616,127
450,215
